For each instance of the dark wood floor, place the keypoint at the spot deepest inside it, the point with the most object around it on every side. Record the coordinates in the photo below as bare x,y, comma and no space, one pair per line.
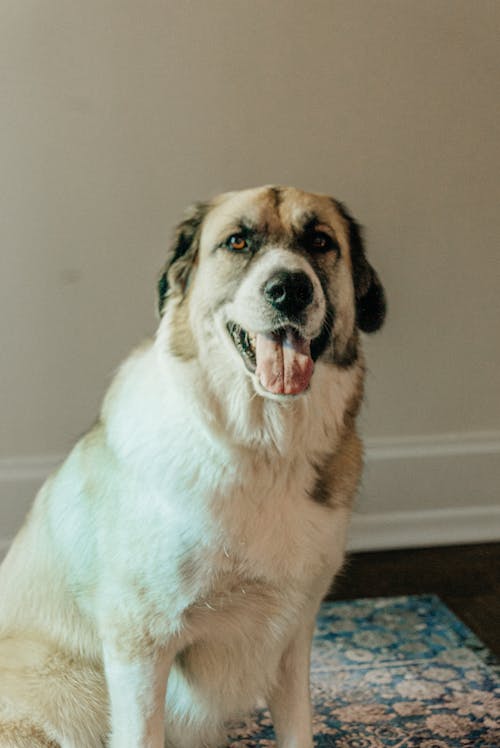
466,578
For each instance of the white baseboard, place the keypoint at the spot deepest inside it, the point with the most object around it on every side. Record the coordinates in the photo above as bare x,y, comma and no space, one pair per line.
433,445
433,527
416,491
429,490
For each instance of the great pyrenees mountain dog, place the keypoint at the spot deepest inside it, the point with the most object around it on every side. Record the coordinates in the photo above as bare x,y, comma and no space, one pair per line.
169,573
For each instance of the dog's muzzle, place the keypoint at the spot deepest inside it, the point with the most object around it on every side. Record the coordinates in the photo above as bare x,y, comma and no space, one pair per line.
280,357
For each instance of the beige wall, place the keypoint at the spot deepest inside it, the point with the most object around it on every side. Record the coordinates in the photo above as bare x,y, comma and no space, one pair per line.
116,113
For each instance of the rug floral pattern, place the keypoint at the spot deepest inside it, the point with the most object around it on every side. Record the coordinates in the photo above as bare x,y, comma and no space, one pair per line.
401,672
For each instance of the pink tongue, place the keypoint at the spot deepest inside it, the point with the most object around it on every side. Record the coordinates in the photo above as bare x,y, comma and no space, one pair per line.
284,363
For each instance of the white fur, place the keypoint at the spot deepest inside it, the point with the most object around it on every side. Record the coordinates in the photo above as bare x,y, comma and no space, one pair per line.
113,530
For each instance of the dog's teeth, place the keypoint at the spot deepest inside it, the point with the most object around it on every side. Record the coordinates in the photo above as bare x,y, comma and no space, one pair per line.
244,341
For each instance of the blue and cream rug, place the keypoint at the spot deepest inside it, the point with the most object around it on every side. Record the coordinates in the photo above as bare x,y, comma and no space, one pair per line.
401,672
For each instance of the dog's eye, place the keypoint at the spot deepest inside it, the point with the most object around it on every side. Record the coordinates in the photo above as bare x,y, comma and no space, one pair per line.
237,243
320,242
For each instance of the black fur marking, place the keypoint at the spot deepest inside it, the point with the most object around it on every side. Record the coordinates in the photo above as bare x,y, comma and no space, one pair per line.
304,236
349,355
162,291
326,344
320,344
321,492
182,252
277,195
372,307
309,222
371,304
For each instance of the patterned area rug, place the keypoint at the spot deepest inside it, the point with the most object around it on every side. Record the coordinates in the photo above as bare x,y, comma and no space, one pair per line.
401,672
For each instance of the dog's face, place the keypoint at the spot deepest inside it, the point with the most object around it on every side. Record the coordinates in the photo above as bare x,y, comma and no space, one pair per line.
269,281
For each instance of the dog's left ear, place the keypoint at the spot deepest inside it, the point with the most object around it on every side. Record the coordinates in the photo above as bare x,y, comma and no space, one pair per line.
371,304
182,253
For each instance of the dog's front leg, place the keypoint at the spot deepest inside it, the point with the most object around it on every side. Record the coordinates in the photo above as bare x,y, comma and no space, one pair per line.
136,686
290,702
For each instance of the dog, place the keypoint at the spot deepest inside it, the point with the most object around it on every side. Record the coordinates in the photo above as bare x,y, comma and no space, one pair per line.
169,574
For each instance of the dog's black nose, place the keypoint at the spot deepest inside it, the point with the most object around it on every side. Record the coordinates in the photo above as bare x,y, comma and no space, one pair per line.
289,292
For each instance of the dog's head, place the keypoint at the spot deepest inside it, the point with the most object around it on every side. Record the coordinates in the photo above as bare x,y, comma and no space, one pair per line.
267,281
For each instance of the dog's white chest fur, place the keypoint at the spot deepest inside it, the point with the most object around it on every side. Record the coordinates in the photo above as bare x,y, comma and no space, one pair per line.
209,509
220,546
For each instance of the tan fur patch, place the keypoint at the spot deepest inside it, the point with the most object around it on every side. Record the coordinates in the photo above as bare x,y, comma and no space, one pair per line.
339,473
181,339
354,403
135,637
23,734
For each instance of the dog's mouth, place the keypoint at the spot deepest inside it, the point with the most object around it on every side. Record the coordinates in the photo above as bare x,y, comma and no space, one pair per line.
281,359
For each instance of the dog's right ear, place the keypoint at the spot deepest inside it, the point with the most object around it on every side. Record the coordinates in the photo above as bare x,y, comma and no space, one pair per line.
182,253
